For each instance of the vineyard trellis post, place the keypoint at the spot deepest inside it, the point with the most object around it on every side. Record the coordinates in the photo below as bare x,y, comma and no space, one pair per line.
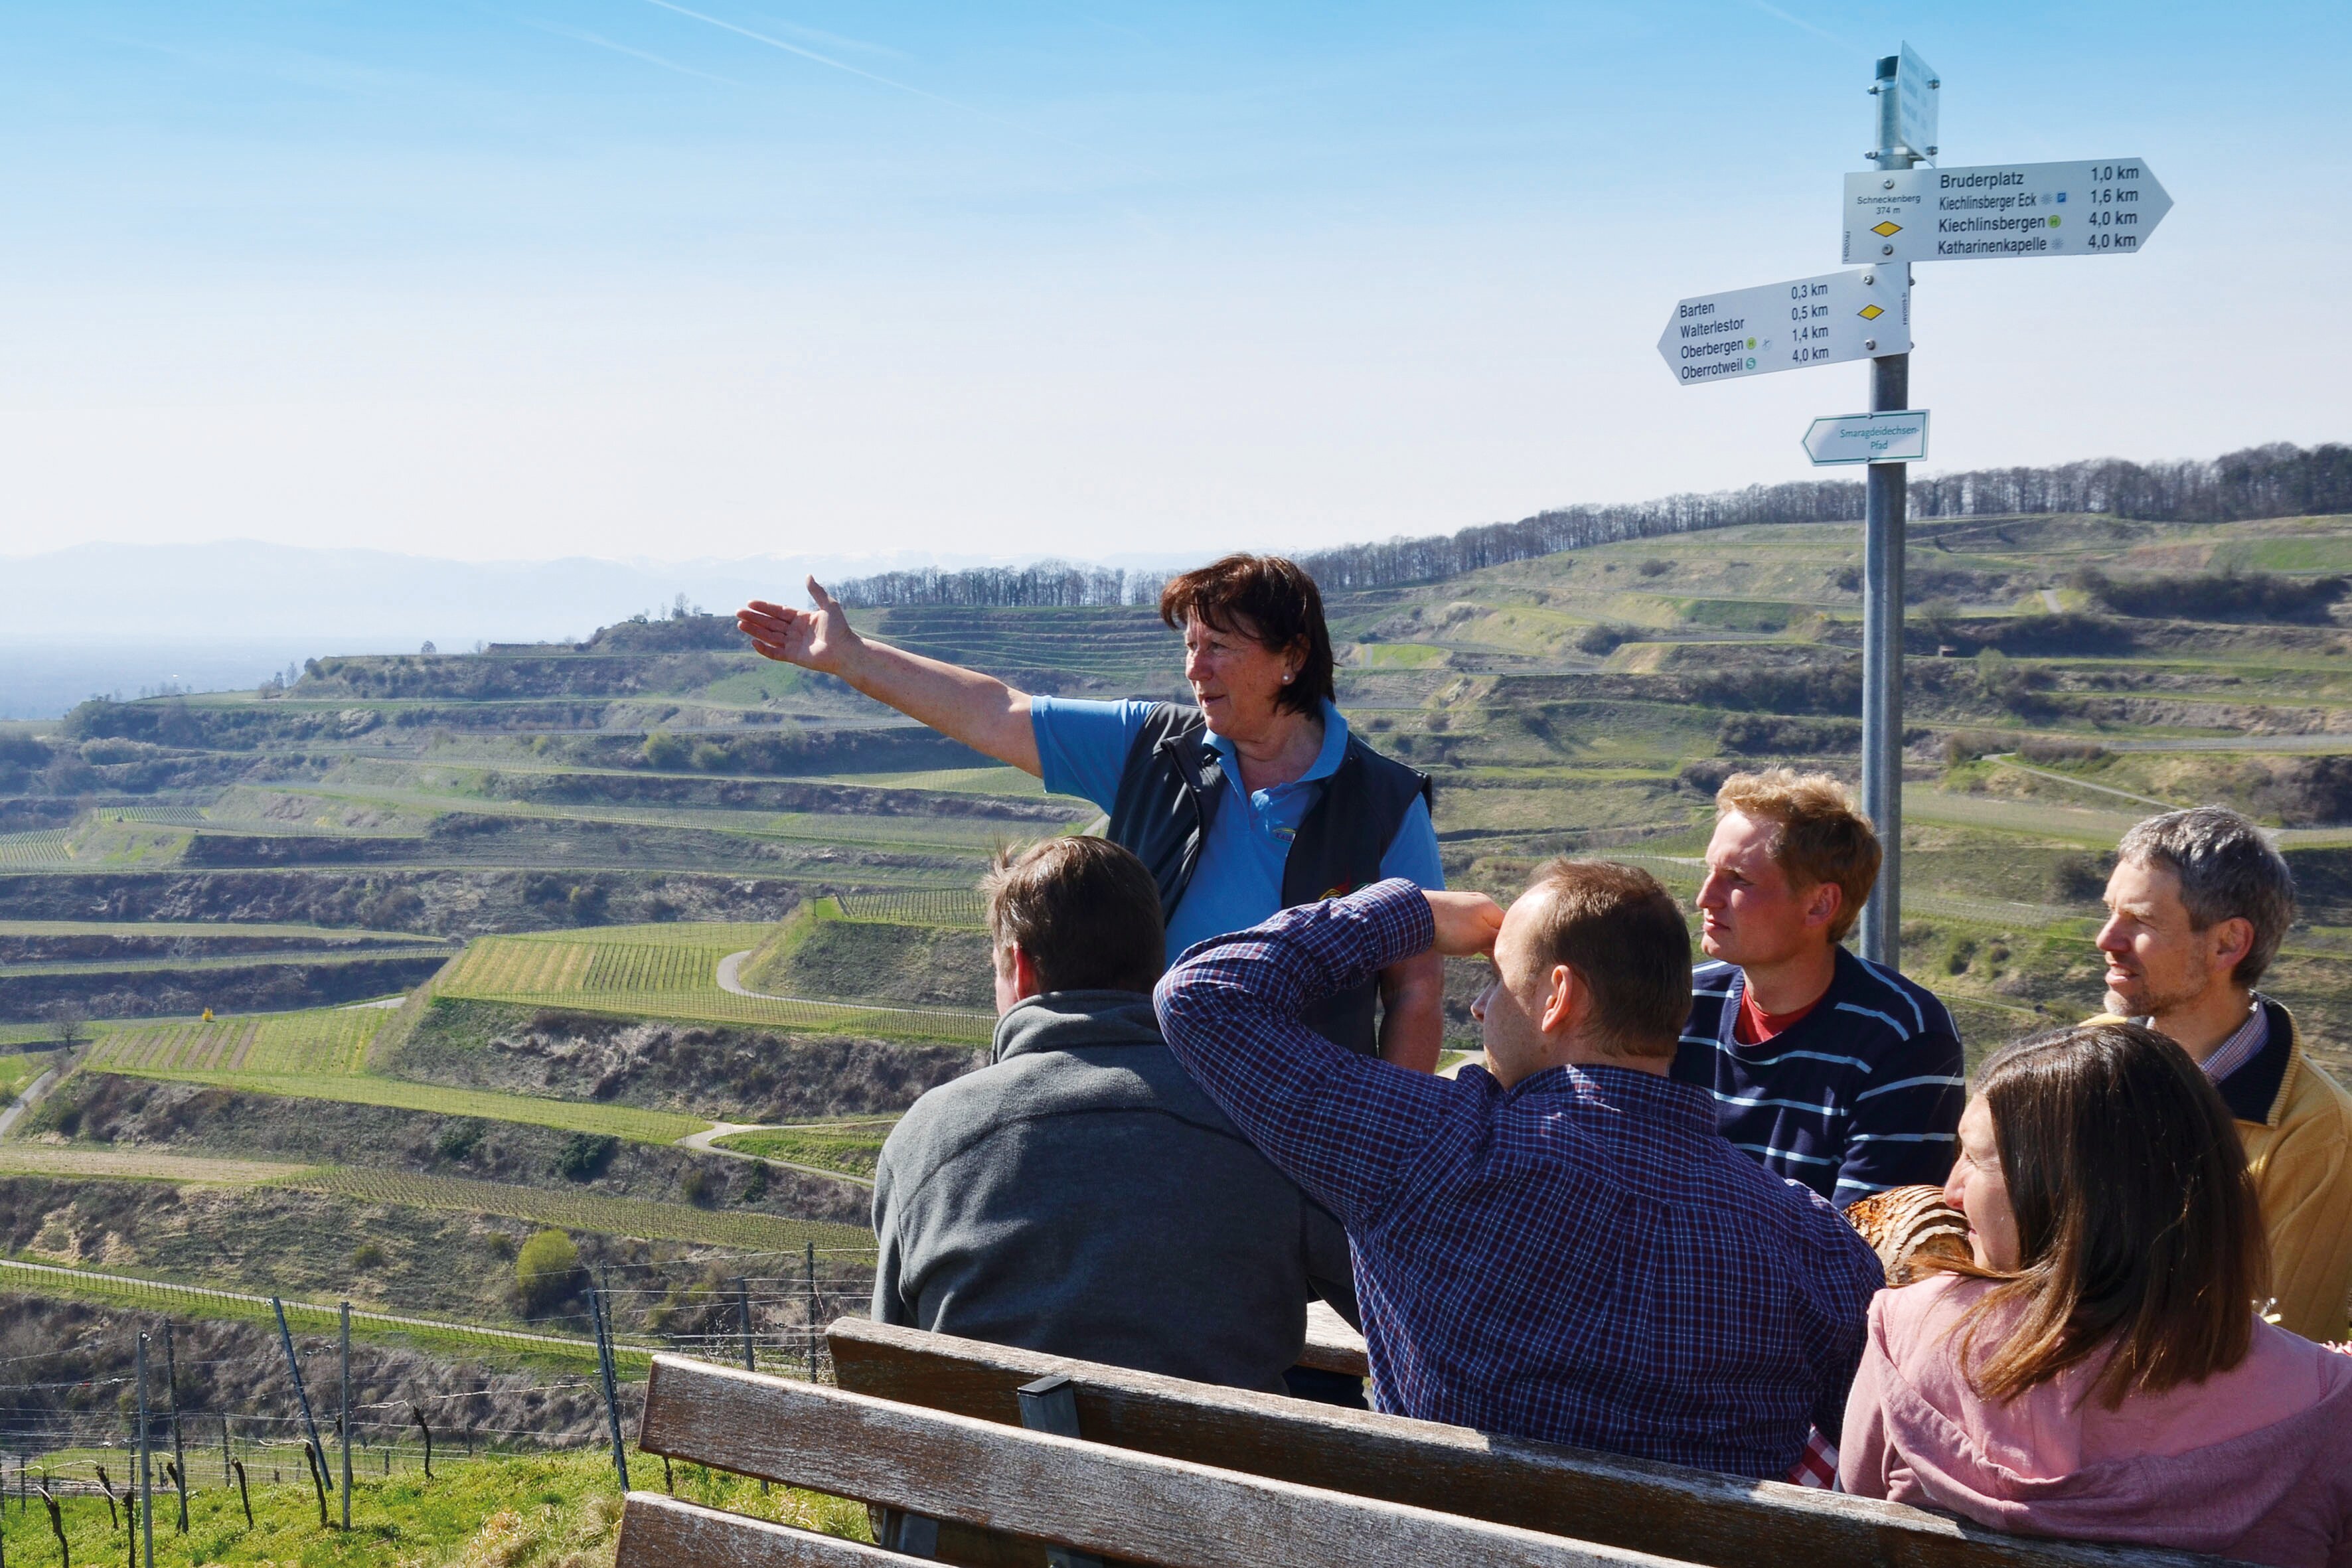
602,1322
744,1323
346,1422
812,1311
146,1472
302,1395
172,1387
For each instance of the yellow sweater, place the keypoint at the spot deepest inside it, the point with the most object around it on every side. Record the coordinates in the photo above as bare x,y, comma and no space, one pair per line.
2298,1137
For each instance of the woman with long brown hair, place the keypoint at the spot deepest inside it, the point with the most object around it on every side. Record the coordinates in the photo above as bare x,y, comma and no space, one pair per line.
2097,1369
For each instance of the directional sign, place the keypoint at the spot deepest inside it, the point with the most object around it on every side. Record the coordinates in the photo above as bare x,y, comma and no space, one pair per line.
1786,326
1899,436
2102,207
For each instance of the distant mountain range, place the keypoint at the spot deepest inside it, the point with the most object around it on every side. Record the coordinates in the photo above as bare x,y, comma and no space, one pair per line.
123,617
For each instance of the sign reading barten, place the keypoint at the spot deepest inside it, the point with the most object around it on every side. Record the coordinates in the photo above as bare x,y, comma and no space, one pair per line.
1787,326
2105,207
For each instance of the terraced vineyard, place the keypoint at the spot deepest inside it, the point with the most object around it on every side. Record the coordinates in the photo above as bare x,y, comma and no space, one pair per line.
741,1229
943,908
325,1041
33,851
671,971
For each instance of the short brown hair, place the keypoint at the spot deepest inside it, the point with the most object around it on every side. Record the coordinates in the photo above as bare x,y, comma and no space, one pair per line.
1281,607
1623,935
1085,911
2136,1223
1824,836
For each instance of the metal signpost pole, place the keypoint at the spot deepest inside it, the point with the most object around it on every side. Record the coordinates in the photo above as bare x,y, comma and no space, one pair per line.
1882,597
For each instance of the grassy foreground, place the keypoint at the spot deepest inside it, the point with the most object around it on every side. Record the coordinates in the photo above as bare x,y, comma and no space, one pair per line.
551,1511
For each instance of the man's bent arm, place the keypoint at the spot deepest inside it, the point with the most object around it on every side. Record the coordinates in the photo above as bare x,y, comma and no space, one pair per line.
1342,1125
1413,1012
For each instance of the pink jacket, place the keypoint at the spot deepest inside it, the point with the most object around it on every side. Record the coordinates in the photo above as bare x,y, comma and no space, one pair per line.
2254,1463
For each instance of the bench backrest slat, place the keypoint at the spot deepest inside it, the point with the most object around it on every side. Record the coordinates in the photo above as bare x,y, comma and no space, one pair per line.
659,1531
1134,1507
1633,1504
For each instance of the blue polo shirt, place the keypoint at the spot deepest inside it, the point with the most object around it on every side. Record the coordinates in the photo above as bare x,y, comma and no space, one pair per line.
1238,883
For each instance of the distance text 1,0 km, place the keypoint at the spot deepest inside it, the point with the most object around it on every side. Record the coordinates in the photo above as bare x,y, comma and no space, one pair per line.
2100,207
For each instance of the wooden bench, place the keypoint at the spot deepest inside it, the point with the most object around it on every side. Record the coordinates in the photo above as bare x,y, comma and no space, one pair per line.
1082,1501
1631,1505
1331,1345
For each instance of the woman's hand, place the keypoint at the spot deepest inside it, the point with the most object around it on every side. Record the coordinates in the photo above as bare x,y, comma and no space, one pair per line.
1467,923
818,639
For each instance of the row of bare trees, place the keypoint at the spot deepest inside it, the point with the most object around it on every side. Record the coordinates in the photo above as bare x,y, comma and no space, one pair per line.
2277,480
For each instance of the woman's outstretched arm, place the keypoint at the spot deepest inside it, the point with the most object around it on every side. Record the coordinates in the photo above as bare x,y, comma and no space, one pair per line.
962,704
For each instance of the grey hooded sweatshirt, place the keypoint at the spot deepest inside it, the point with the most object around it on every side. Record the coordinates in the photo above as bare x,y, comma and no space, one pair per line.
1079,1195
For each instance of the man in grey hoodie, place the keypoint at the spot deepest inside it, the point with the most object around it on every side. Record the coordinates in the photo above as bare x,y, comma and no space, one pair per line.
1079,1195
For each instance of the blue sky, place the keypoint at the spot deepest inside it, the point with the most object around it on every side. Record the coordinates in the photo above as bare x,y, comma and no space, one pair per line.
628,278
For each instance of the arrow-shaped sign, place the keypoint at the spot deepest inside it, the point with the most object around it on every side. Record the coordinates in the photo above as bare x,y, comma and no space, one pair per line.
1895,436
1787,326
2106,207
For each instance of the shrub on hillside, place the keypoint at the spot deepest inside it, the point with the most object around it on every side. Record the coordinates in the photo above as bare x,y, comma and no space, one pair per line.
2080,879
584,1155
2311,792
1823,688
1765,734
1707,774
547,1270
2217,595
1599,639
664,751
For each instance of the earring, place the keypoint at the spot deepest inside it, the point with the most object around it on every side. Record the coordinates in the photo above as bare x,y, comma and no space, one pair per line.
1286,680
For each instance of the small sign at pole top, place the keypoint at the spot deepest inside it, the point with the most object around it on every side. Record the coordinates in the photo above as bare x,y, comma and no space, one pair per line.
1788,326
1919,92
1898,436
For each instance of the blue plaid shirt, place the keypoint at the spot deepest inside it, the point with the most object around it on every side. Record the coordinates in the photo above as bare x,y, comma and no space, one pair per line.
1580,1257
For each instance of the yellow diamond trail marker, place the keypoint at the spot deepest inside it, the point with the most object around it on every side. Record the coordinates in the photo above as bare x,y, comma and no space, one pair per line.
1787,326
2098,207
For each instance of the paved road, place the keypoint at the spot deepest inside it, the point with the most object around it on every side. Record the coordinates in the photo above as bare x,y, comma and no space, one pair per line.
35,1092
703,1142
730,968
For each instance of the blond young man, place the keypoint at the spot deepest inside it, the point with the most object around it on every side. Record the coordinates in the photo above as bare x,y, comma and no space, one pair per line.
2196,906
1830,1069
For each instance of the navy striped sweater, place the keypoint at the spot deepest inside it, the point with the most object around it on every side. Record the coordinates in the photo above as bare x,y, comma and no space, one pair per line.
1862,1094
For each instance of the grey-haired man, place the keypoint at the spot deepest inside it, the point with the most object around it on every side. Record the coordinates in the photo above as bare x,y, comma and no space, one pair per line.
2196,907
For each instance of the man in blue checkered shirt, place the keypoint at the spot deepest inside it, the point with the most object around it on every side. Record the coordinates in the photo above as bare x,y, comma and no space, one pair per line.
1561,1244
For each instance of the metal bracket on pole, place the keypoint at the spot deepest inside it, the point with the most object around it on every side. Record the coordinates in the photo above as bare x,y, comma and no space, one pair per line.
1885,503
301,1395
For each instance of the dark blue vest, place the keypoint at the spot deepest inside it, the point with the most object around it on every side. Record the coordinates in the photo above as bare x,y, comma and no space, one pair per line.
1168,792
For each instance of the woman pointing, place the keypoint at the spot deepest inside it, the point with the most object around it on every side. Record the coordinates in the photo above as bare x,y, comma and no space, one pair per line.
1252,798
